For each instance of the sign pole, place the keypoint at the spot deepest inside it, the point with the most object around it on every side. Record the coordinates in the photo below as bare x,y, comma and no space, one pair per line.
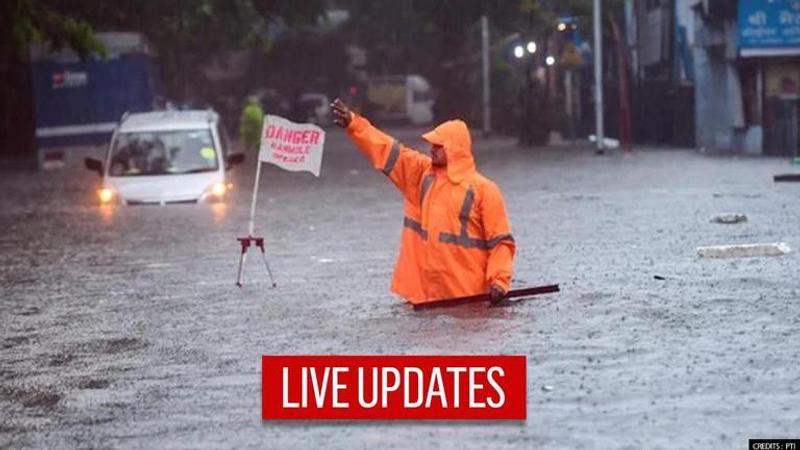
251,224
598,76
487,118
250,239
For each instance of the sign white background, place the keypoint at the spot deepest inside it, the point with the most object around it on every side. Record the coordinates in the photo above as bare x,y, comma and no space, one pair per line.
292,146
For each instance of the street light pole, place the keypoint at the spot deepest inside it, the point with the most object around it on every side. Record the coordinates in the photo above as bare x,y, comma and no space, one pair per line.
598,75
487,118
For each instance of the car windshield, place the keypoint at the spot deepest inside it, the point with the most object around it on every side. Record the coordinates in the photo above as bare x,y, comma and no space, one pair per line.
163,153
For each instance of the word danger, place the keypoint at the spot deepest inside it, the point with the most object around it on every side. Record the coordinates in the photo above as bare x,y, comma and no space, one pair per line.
290,146
378,387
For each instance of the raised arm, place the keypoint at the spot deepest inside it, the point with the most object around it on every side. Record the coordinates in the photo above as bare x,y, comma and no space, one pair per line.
404,166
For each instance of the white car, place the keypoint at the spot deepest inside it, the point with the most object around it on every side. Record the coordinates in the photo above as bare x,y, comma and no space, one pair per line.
166,157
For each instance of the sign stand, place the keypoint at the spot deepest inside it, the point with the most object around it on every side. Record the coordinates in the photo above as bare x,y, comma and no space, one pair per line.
249,240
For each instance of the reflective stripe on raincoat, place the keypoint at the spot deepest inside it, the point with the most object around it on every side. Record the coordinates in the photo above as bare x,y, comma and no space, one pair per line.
456,238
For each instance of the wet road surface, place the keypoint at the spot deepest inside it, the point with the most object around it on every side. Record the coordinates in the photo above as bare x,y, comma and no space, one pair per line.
121,326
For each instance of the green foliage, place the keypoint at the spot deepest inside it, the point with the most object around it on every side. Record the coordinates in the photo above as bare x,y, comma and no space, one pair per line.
444,38
29,22
188,34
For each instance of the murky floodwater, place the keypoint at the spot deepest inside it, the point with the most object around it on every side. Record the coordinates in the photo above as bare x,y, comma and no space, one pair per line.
122,327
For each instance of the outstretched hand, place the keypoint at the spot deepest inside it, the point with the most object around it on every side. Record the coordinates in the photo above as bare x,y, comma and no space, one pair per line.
341,113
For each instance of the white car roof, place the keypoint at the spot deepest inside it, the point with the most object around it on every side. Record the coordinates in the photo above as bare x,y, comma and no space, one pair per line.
168,120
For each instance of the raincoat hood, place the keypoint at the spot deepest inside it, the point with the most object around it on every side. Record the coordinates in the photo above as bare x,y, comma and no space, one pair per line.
454,136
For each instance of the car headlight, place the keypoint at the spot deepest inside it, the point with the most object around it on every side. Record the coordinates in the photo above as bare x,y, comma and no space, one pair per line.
219,189
105,195
216,191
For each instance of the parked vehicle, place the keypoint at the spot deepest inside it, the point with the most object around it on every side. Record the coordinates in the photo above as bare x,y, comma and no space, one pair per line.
404,98
78,102
166,157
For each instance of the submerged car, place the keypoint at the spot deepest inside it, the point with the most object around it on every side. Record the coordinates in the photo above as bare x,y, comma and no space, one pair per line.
166,157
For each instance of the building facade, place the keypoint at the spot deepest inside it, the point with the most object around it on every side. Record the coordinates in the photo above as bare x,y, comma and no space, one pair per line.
660,35
723,75
747,75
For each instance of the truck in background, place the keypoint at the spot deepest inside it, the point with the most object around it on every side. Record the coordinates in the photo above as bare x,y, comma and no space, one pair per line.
405,98
79,102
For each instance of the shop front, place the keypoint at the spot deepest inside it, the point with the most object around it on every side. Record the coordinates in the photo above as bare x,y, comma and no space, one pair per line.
769,70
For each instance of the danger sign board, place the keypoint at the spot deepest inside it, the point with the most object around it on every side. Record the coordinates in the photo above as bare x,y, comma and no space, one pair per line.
292,146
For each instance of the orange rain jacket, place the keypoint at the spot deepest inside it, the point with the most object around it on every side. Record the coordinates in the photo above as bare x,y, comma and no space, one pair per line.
456,238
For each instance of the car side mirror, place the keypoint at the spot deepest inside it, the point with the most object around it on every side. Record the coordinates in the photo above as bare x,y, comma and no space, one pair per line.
94,165
233,159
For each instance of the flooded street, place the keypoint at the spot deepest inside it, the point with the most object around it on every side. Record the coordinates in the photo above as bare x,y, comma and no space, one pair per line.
122,327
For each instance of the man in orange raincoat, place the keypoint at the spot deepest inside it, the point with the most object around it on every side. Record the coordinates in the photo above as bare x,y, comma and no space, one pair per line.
456,239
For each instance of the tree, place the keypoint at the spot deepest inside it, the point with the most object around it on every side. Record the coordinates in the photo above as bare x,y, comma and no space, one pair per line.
189,34
26,22
29,22
186,34
440,39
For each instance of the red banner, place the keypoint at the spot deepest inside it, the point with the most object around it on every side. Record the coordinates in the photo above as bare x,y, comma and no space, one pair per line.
393,387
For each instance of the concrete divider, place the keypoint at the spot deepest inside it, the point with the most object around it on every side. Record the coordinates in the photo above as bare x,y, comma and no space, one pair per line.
744,250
